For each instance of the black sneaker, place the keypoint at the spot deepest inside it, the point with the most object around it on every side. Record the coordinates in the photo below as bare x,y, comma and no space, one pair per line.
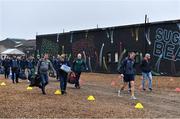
43,91
78,87
40,86
46,83
62,92
150,89
144,89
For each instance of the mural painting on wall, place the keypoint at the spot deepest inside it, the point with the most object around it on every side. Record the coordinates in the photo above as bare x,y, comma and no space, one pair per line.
110,35
49,47
167,46
87,48
102,63
135,33
104,50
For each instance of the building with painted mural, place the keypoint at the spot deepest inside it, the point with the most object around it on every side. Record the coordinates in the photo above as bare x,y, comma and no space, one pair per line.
104,48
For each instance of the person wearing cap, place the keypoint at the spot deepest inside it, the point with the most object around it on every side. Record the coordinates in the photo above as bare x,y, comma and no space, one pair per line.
146,72
63,73
78,66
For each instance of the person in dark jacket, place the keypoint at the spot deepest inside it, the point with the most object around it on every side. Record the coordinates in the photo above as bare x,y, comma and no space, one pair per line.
54,62
23,66
15,67
63,75
78,66
146,72
31,67
6,65
127,71
129,84
23,63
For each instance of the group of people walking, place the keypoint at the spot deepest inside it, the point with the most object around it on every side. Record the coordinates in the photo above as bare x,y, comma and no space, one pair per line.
16,67
61,73
61,67
127,72
41,67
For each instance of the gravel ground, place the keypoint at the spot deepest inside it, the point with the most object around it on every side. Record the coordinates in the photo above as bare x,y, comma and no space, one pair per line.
18,102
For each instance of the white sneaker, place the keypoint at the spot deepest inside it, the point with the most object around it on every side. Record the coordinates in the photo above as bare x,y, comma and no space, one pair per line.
133,98
119,93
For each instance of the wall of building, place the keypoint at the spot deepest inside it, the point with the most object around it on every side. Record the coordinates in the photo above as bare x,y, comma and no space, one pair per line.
103,49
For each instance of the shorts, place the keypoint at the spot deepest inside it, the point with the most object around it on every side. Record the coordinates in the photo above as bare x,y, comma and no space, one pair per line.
129,77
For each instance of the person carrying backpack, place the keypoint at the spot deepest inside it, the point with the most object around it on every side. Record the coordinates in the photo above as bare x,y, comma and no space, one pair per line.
127,71
42,69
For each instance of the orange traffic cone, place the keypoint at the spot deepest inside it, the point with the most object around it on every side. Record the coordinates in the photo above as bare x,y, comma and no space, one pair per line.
177,89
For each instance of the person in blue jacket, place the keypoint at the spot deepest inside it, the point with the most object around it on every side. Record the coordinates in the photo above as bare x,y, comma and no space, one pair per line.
63,75
15,67
23,66
31,67
54,62
6,65
127,71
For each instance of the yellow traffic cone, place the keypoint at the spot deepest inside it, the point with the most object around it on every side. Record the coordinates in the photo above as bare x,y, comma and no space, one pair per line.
3,84
29,88
57,92
139,106
90,98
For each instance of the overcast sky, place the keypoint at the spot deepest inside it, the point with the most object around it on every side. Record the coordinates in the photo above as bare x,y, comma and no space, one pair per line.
23,18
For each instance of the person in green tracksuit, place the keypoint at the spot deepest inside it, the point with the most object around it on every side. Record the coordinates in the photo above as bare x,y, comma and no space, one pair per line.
77,67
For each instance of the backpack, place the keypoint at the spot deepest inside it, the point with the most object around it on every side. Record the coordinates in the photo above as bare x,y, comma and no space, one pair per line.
35,81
